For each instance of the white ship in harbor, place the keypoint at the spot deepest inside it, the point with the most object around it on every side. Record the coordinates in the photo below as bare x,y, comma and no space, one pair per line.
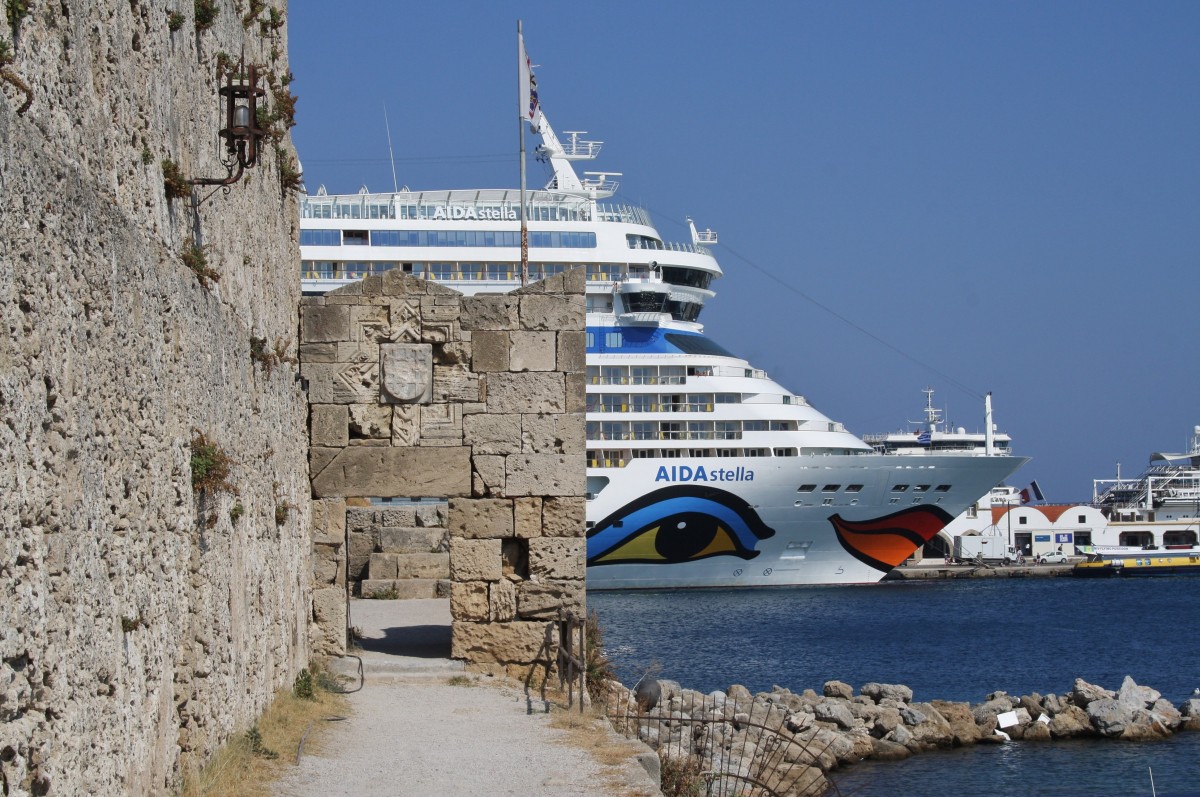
701,470
936,435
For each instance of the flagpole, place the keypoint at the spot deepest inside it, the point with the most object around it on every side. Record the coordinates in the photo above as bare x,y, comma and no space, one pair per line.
521,128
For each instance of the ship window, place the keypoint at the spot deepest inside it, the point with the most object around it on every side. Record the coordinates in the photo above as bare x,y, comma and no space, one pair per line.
695,344
700,452
787,399
355,238
899,488
729,430
643,375
320,237
921,488
893,500
758,452
854,488
831,488
691,277
754,426
645,431
591,340
643,453
729,398
783,426
726,452
806,488
671,375
785,452
612,340
827,502
643,402
670,453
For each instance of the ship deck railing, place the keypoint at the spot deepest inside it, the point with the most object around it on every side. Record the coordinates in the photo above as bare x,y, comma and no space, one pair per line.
505,203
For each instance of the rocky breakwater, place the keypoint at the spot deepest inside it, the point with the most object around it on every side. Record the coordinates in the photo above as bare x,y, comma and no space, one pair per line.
789,742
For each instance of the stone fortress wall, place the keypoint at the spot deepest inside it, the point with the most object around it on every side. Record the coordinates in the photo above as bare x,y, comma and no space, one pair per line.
418,391
141,623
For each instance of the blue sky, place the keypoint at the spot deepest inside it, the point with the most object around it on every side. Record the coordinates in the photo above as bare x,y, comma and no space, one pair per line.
963,195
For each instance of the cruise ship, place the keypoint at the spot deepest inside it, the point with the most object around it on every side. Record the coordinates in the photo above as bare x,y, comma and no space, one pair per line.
702,471
936,435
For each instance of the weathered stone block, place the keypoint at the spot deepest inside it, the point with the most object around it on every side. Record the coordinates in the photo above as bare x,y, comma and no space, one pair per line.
489,351
422,565
542,599
393,472
342,383
564,516
369,323
318,458
318,352
556,433
572,351
532,351
489,312
481,518
406,373
575,281
410,539
328,564
576,392
527,517
557,558
406,425
328,425
441,424
469,601
328,521
544,474
475,560
329,614
487,476
369,421
324,324
454,383
502,601
552,312
382,565
452,353
516,642
493,433
526,392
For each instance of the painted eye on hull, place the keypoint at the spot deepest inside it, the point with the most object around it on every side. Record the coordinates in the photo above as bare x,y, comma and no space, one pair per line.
677,524
883,543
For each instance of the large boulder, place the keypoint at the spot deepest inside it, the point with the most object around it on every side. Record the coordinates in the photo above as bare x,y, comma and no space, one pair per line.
1134,696
1190,711
1083,693
1070,722
1109,716
836,712
838,689
878,692
932,729
887,750
962,723
997,703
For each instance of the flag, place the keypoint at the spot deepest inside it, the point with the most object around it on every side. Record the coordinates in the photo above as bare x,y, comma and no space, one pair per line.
924,439
528,108
1032,493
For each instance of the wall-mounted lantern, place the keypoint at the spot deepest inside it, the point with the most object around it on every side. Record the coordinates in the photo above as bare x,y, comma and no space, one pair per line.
240,96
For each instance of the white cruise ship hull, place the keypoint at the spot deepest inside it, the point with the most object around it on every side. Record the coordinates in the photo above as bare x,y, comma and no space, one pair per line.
781,537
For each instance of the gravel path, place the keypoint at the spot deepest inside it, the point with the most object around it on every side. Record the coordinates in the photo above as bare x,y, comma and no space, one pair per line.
410,732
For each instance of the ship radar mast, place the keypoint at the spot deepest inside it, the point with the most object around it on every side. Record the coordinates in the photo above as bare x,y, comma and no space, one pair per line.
595,185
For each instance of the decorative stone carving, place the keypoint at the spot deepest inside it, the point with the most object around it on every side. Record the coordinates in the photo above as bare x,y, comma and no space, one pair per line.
406,424
406,373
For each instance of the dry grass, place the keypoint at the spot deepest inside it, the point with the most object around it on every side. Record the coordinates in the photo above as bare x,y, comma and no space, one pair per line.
237,771
589,731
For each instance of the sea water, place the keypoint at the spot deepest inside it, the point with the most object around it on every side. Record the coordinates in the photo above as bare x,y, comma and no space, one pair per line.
949,640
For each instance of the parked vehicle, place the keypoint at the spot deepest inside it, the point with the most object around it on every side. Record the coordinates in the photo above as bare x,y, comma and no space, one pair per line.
1053,558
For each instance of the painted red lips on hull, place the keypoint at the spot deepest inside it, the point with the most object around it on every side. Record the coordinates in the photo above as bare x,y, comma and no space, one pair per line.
883,543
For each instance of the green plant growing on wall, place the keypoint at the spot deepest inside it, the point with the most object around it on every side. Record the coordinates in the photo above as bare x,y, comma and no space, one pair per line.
282,510
206,14
256,8
129,624
175,21
12,78
210,465
290,177
236,511
195,258
16,10
174,183
147,155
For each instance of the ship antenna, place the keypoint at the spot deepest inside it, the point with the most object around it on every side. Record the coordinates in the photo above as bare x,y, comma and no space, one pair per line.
391,157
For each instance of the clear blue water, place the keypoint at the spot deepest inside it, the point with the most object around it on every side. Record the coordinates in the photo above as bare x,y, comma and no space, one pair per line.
951,640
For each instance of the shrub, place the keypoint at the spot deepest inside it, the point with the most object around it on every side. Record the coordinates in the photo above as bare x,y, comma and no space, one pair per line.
194,257
175,184
255,740
210,465
206,14
175,21
16,11
236,511
304,688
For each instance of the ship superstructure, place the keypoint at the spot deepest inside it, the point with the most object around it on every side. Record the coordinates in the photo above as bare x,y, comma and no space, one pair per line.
701,470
